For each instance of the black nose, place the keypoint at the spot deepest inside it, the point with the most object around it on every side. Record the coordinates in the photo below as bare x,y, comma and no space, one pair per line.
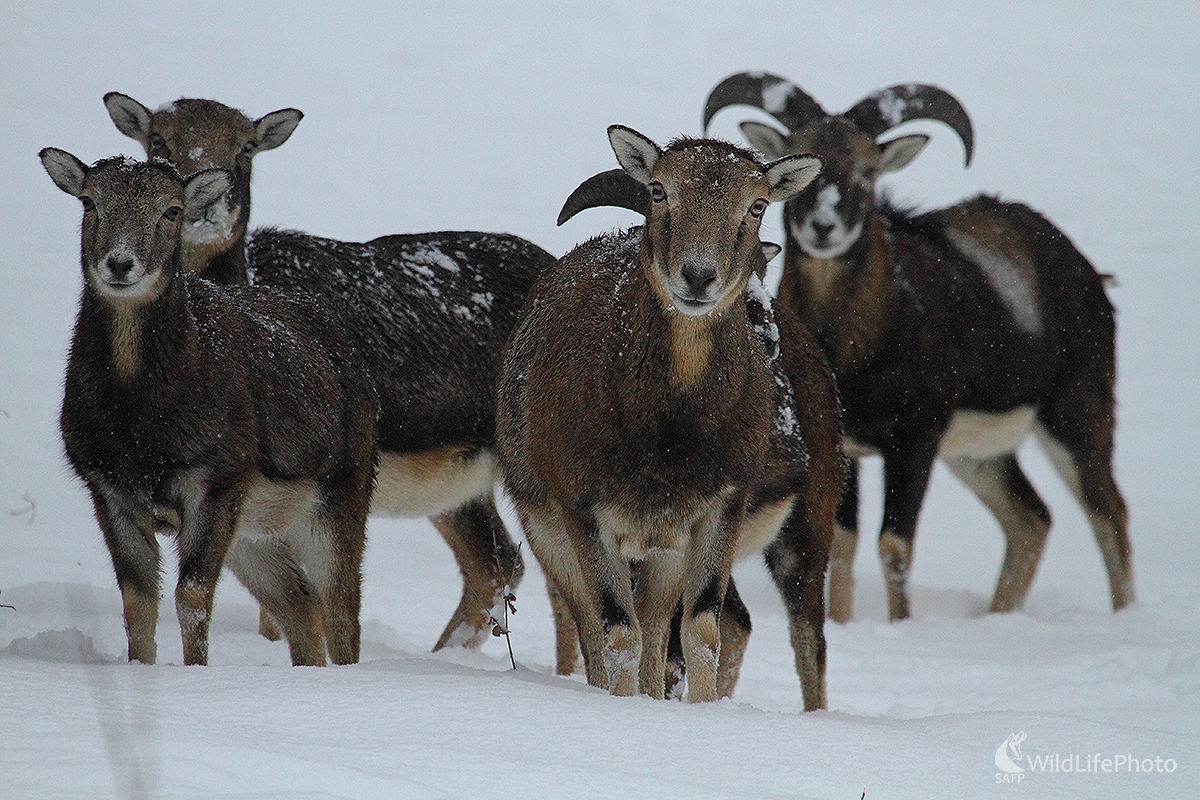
120,267
698,278
822,229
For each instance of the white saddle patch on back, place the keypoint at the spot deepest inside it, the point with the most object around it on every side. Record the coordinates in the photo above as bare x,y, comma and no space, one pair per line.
979,434
431,482
1013,280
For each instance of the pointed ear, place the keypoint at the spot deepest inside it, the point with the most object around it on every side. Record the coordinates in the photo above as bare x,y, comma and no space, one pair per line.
131,117
274,129
204,189
765,139
899,152
65,170
790,174
636,154
769,250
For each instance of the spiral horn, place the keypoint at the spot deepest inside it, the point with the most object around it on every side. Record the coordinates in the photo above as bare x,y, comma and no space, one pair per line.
883,110
785,101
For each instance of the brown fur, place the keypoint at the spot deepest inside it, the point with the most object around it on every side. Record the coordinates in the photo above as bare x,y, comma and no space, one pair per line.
626,425
196,134
952,321
430,313
616,434
287,449
855,302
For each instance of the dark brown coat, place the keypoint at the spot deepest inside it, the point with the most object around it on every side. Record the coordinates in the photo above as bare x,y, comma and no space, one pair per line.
429,314
239,419
635,410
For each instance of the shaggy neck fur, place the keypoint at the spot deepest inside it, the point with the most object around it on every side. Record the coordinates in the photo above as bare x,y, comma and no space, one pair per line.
130,330
844,300
691,338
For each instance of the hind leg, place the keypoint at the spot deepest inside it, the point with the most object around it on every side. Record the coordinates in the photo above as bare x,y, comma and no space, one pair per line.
676,667
845,542
735,634
1000,485
340,588
491,567
797,562
268,628
570,591
1075,428
267,567
206,533
1084,461
333,554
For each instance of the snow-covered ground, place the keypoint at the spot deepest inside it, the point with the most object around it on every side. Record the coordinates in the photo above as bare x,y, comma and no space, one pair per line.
484,116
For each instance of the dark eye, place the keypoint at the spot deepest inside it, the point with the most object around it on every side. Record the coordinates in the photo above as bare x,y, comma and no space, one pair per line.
758,207
248,148
172,213
657,194
88,205
870,174
158,147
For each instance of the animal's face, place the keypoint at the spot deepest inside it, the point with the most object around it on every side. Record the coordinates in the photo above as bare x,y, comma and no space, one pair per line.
131,223
133,213
707,200
201,134
196,135
827,218
705,212
830,217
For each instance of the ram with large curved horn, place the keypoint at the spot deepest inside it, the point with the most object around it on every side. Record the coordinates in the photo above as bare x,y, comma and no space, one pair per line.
875,114
953,333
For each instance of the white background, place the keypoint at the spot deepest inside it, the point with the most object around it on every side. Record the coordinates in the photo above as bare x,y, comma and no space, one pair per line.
485,116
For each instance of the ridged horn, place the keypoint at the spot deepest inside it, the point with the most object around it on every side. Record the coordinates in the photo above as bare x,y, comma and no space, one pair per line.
883,110
785,101
612,188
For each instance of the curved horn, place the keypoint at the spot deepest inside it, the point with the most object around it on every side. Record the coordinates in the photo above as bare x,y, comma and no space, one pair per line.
613,188
883,110
779,97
